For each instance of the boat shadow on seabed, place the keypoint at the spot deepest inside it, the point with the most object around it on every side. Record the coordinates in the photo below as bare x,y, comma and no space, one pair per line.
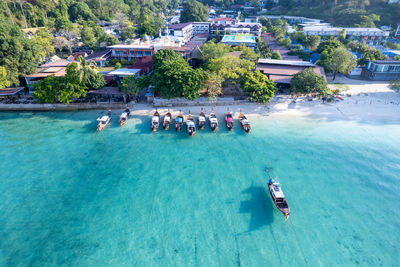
259,206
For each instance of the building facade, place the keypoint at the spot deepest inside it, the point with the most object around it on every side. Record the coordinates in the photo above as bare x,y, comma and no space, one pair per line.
381,70
236,40
371,36
182,31
201,28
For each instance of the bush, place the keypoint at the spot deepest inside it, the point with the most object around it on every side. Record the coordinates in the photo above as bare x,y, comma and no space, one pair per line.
124,62
118,65
114,61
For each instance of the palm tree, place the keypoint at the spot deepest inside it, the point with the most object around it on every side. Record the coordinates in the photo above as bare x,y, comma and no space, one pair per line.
85,70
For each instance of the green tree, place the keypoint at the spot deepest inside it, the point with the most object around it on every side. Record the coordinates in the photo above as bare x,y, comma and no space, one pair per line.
247,53
117,66
286,42
81,11
326,49
307,81
212,50
193,11
276,55
258,86
230,67
395,85
173,77
86,74
3,78
213,85
129,85
145,22
342,61
44,39
263,49
18,55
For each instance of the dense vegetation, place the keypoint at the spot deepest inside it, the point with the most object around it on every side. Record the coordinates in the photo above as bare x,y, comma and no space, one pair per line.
358,13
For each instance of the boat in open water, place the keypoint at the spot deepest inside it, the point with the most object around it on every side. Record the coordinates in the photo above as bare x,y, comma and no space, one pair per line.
213,121
104,121
124,117
155,121
202,120
191,126
179,122
244,122
167,120
278,197
229,120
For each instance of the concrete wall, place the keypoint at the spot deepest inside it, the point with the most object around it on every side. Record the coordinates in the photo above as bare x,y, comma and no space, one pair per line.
62,107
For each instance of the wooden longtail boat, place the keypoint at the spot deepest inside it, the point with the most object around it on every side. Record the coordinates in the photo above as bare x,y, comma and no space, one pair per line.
229,120
191,126
202,120
278,197
213,121
179,122
155,121
124,117
244,122
167,120
104,121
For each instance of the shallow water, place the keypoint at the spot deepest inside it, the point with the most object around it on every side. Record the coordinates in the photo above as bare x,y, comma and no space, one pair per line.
128,197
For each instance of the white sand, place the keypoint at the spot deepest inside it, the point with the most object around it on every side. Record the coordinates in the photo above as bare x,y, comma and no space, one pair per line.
369,102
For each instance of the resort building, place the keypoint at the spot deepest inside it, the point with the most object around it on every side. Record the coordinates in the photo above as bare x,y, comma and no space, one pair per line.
142,48
182,31
371,36
100,58
236,28
282,71
201,28
55,67
236,40
381,70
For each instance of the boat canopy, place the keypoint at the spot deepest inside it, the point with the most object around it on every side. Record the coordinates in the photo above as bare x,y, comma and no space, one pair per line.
167,118
103,119
213,120
124,115
245,122
155,119
277,191
202,118
229,119
190,123
178,119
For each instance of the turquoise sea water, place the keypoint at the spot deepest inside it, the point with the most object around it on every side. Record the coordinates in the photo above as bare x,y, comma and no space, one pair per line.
128,197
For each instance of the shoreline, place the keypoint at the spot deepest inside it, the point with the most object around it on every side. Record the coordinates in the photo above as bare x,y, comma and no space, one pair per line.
362,102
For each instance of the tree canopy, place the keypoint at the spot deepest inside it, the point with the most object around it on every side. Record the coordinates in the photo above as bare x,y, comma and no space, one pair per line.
307,81
173,77
193,11
342,61
258,86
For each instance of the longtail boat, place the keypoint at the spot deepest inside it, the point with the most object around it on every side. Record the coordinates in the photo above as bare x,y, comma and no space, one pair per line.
167,120
155,121
124,117
278,197
229,120
104,121
191,126
213,121
179,122
244,122
202,120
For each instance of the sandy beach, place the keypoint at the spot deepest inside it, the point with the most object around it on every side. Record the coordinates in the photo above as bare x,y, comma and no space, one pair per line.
363,101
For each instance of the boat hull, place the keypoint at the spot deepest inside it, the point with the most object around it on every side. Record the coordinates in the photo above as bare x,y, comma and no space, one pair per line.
281,206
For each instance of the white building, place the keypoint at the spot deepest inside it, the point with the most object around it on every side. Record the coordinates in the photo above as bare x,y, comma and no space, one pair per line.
201,27
183,31
370,36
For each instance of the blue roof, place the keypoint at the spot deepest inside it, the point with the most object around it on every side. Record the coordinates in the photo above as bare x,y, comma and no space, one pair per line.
307,50
358,55
314,57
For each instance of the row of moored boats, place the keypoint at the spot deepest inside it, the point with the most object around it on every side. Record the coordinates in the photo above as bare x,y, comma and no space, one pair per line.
180,120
